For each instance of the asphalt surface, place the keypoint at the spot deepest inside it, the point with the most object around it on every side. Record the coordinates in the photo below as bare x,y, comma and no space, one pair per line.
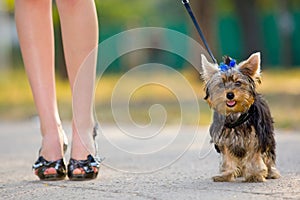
170,165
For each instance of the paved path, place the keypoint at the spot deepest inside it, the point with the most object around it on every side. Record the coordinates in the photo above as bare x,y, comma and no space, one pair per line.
155,173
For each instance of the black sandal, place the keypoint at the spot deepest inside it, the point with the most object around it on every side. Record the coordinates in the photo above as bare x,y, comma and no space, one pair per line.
41,165
87,165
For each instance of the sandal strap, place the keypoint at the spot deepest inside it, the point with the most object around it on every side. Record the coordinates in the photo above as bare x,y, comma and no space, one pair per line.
42,162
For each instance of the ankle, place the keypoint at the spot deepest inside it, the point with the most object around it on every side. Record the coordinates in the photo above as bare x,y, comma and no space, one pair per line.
51,149
82,145
52,143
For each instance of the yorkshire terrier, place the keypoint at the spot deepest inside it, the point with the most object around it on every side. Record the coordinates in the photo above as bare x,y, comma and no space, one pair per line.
242,128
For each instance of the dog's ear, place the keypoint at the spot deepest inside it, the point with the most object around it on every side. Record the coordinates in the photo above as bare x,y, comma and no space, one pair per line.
251,66
208,69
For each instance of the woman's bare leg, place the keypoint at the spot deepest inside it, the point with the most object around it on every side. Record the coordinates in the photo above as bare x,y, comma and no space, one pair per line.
35,30
80,37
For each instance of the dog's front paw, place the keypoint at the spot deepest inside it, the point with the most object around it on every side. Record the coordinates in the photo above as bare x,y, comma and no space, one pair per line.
223,178
273,173
255,179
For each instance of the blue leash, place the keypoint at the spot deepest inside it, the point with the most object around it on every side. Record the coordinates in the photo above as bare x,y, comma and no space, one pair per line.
189,10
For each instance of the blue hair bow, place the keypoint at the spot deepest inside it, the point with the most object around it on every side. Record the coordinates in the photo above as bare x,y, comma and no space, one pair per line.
224,67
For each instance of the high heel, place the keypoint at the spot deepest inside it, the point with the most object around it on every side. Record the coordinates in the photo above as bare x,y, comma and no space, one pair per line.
41,165
89,165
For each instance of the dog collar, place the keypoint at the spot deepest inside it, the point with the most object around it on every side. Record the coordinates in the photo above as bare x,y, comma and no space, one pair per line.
243,118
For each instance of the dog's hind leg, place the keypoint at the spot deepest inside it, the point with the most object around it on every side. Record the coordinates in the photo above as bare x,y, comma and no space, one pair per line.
269,160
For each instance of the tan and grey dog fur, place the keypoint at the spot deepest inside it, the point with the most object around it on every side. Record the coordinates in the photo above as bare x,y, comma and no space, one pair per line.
242,128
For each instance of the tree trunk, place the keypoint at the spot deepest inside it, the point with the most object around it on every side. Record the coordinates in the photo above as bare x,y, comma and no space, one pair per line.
248,14
205,14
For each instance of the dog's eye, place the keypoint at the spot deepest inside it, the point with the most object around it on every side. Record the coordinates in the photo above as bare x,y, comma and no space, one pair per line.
238,83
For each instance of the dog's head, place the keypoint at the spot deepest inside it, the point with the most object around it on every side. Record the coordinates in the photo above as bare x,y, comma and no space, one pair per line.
230,87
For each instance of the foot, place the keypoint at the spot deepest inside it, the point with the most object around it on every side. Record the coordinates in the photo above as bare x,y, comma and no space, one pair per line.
273,173
255,179
41,165
83,145
85,169
53,147
224,178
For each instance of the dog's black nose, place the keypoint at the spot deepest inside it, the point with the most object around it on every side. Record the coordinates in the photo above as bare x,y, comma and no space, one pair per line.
230,95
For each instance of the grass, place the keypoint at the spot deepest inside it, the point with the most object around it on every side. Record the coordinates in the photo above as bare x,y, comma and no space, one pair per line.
15,97
280,88
16,101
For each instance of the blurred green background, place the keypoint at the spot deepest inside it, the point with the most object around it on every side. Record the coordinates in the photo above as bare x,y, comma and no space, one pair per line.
232,27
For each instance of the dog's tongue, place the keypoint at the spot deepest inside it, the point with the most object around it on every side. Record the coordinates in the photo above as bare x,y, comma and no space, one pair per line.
231,103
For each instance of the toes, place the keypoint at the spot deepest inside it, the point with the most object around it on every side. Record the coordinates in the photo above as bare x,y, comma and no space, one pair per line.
95,169
50,171
78,171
